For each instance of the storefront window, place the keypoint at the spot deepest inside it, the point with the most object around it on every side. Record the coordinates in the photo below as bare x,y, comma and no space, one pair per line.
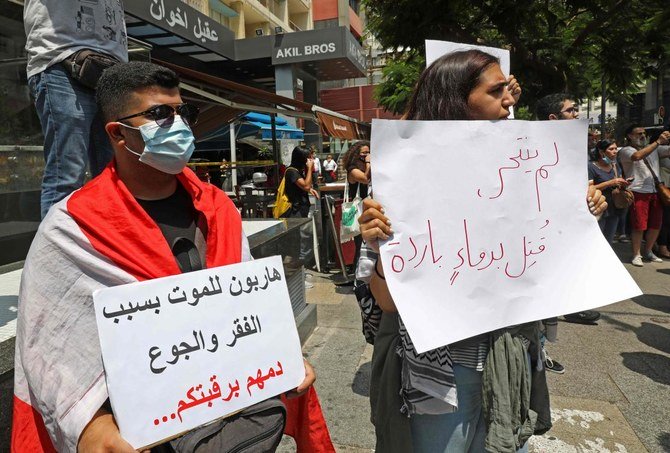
21,157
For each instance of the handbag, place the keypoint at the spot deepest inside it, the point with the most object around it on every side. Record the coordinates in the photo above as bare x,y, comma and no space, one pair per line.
622,198
351,211
86,66
661,189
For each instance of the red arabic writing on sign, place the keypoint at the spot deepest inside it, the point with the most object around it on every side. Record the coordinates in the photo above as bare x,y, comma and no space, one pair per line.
519,257
519,161
196,396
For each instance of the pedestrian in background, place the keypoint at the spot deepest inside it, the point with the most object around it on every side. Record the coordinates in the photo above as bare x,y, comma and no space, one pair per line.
60,35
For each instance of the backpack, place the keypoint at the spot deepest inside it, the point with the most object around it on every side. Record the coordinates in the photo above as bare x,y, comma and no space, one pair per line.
282,204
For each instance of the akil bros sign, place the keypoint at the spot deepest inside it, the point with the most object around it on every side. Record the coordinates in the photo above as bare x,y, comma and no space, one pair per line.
306,50
314,45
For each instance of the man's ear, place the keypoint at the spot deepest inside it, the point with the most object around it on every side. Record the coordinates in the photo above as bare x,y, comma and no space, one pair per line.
114,131
553,116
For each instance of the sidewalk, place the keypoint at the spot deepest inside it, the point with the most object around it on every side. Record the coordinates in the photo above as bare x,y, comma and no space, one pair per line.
613,397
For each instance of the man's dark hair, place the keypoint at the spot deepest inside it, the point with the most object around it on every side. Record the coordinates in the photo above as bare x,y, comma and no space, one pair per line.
551,104
630,128
444,87
118,83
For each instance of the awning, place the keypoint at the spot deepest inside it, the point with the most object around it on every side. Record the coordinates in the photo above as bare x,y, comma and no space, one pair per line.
257,126
222,102
340,126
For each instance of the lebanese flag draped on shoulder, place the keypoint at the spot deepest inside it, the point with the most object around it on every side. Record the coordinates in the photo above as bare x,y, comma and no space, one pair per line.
96,238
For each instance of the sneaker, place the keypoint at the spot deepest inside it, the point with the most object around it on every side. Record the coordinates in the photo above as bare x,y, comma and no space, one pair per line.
583,317
637,261
653,258
624,239
552,365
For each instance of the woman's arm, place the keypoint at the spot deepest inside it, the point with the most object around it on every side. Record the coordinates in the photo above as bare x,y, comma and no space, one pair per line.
375,225
612,182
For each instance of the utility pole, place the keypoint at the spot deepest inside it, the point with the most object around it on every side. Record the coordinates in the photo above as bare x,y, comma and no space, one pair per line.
603,105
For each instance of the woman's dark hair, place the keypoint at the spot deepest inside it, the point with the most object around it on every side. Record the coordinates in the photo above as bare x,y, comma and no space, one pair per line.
444,87
602,145
299,157
353,152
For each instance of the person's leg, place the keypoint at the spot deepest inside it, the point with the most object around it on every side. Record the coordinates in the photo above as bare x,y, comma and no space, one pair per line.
655,219
663,240
610,226
66,111
639,213
457,432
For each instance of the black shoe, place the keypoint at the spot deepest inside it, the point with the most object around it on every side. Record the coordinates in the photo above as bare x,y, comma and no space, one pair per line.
553,366
583,317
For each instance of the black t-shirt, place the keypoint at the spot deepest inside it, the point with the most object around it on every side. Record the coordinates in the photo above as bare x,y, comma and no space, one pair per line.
354,186
176,217
295,194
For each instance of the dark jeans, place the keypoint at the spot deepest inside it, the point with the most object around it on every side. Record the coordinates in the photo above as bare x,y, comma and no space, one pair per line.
74,133
664,235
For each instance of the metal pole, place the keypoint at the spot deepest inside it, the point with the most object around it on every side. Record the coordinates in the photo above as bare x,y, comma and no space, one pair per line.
338,247
233,154
275,147
603,106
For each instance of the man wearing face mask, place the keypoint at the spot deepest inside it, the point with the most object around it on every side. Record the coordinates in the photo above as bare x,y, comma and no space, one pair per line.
146,216
640,160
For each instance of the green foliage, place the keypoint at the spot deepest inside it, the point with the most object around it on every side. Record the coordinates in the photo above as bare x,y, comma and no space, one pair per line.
555,45
400,76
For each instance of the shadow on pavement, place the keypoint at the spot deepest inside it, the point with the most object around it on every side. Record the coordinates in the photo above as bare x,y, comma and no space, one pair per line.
655,336
654,301
361,384
663,271
664,440
654,366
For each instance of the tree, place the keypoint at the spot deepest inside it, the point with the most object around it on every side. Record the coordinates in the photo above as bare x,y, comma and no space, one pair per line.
555,45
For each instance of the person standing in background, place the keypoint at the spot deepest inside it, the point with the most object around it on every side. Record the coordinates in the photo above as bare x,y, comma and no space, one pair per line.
317,167
330,169
57,34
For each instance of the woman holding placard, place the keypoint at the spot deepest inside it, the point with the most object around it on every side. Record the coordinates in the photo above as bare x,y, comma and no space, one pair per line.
448,393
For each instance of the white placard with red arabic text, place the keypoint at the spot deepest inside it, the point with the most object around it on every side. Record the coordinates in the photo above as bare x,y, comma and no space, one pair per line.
184,350
491,225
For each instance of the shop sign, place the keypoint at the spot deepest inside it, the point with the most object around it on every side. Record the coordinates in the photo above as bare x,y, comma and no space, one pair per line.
186,22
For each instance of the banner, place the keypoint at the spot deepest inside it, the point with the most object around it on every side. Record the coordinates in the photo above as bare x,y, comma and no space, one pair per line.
491,225
184,350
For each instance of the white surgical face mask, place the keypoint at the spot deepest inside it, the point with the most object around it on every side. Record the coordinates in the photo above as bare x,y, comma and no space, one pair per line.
167,149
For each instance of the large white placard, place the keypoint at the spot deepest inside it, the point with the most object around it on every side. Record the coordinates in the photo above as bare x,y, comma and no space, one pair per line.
183,350
435,49
491,226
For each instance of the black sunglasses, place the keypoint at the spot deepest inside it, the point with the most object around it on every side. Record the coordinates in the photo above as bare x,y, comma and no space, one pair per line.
164,114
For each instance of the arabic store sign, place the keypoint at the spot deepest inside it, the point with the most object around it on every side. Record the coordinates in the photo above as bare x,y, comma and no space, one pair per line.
186,22
511,241
184,350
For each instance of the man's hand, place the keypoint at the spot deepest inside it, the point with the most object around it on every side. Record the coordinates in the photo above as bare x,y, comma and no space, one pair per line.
664,138
310,377
101,435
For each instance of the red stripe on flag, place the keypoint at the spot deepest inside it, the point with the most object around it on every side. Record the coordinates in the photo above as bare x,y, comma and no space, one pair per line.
28,431
305,423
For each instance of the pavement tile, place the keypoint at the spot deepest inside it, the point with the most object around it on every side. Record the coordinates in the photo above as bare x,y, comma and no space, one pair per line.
586,425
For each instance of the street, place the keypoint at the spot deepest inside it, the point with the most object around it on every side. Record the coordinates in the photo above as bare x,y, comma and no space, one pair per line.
613,397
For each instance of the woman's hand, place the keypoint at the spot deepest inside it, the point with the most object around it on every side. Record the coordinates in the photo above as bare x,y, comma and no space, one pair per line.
315,193
374,224
310,377
513,87
310,164
596,200
620,182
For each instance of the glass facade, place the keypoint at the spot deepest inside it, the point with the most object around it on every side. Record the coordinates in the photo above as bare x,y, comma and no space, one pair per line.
21,158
